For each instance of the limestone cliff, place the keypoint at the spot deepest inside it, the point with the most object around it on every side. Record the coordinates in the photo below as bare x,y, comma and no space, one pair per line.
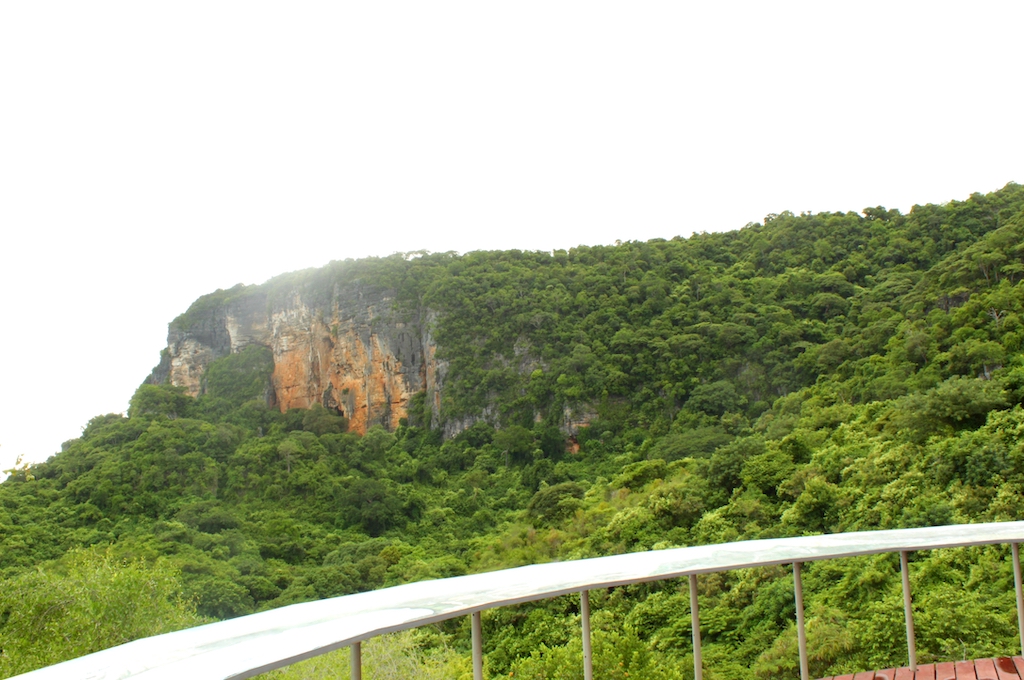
351,351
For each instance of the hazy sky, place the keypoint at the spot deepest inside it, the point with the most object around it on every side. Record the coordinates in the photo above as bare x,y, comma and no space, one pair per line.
153,152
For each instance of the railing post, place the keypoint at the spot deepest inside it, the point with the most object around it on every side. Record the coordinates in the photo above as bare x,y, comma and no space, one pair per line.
908,612
478,647
588,654
801,631
356,656
698,662
1015,549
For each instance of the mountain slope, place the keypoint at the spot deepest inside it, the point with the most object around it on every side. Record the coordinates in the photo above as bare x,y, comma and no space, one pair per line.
814,373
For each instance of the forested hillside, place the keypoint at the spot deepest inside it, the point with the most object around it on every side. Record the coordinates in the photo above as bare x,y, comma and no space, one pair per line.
815,373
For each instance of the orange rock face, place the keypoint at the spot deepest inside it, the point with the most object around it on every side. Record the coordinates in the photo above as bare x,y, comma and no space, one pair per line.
356,357
343,367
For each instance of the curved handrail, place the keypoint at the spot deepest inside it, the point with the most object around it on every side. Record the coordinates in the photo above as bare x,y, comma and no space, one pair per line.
250,645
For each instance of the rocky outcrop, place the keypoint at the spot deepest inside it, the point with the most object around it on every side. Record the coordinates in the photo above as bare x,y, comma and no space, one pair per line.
354,353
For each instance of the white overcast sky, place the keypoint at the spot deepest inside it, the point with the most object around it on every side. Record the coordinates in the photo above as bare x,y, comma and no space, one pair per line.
152,152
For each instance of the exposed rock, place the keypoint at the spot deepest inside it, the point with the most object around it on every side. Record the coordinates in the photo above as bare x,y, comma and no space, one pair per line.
355,355
453,426
575,417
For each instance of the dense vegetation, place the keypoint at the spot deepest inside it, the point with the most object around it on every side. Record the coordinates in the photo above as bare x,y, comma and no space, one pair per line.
815,373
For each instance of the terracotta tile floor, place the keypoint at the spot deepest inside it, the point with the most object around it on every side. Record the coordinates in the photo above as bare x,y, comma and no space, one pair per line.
1004,668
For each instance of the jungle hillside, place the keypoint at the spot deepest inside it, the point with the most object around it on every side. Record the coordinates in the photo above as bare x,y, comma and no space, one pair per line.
809,374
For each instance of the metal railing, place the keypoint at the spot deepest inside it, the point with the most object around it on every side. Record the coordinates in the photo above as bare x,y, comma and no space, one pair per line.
250,645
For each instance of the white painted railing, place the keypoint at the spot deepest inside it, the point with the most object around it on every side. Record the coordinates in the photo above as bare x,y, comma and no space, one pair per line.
250,645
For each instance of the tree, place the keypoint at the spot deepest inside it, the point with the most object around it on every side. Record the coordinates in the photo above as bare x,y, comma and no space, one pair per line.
160,400
715,398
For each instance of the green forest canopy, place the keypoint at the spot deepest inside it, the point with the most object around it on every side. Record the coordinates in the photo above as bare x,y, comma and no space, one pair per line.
816,373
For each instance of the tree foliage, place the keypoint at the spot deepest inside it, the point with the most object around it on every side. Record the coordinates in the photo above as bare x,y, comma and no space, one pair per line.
816,373
88,601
